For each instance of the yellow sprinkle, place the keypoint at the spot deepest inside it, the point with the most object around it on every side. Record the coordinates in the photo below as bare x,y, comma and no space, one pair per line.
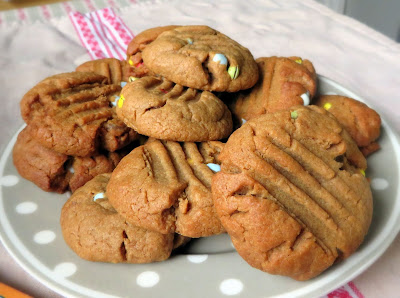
327,106
121,101
131,79
299,61
362,172
233,72
130,62
190,161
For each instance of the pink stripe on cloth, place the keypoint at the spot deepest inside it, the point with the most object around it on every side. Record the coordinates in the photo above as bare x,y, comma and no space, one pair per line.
102,33
347,291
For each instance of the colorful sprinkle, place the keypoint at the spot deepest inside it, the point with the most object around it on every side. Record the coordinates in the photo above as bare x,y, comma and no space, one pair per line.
327,106
306,98
243,121
299,61
293,115
100,195
131,79
362,172
189,40
121,101
130,62
221,59
214,167
163,91
123,84
233,72
115,102
190,161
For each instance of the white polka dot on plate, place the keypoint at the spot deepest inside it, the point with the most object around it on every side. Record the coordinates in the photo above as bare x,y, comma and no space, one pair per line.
9,180
44,237
65,269
379,183
231,286
26,208
197,258
147,279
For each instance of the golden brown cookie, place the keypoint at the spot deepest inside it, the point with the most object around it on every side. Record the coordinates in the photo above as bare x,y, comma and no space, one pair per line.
96,232
116,71
137,45
202,58
56,172
291,192
361,122
72,113
165,186
283,83
161,109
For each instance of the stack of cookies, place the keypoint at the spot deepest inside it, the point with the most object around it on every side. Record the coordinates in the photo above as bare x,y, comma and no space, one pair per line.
227,144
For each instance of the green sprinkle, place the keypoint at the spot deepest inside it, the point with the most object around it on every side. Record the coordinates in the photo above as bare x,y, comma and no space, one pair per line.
233,72
294,114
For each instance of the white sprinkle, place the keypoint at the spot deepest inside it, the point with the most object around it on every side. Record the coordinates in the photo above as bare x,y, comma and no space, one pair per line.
114,103
100,195
147,279
231,286
26,208
44,237
197,258
243,121
214,167
123,84
379,183
9,180
221,59
65,269
306,98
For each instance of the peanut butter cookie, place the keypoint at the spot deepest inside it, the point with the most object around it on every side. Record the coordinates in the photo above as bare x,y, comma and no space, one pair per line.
161,109
165,186
361,122
291,192
202,58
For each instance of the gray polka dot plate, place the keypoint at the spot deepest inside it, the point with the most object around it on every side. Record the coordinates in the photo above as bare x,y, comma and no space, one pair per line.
208,267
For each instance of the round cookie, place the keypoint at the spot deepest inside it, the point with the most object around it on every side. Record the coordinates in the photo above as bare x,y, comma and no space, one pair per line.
283,83
202,58
161,109
360,121
165,186
96,232
56,172
137,45
291,192
72,113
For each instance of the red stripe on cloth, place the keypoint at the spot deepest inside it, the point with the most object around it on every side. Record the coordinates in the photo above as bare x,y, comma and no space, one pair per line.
355,290
67,7
45,11
21,14
85,35
102,33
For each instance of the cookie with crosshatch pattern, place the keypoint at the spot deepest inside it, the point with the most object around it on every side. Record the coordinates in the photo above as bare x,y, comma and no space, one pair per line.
165,186
292,193
160,109
202,58
283,83
72,113
94,230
